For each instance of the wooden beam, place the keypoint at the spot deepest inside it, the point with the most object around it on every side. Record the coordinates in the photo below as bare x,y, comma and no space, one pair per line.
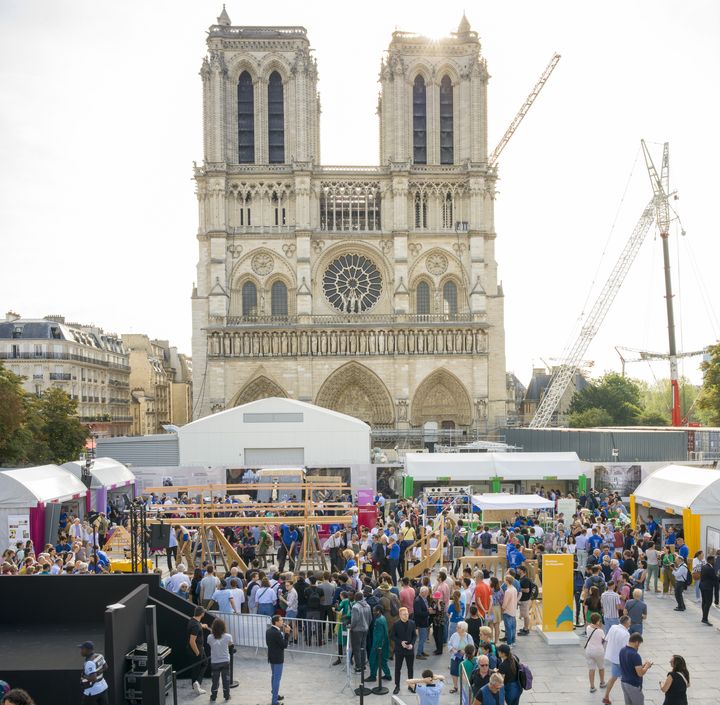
258,521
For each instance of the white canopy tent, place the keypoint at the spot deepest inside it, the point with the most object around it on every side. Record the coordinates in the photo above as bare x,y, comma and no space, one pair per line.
28,487
108,480
478,467
24,494
503,500
690,493
105,472
681,486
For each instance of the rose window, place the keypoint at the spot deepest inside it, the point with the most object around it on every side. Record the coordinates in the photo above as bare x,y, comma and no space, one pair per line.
352,283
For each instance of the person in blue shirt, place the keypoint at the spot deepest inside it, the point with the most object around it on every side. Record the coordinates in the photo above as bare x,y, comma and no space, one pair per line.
393,559
493,693
681,548
515,557
428,688
632,670
670,537
288,547
594,541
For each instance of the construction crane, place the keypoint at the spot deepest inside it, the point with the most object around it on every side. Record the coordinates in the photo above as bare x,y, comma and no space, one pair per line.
524,109
661,189
576,351
646,356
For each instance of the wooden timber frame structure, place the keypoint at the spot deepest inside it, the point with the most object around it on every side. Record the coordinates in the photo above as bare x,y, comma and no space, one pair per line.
210,518
429,557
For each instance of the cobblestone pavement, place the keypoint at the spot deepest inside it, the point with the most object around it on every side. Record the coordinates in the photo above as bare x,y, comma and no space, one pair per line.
559,673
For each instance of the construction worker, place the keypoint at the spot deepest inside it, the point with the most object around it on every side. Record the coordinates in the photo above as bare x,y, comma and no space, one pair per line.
183,536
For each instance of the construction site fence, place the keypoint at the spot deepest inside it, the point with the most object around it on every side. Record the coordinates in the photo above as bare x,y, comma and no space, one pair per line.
308,636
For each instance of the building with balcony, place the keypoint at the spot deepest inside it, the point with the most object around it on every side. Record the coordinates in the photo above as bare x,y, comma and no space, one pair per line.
370,290
161,383
91,366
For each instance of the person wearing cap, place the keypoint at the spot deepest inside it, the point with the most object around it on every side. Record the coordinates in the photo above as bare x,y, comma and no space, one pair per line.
93,680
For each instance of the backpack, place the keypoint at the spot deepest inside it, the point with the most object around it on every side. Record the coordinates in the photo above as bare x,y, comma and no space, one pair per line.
525,676
534,592
475,541
393,609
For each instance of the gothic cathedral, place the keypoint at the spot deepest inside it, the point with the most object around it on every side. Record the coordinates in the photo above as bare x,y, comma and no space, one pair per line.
369,290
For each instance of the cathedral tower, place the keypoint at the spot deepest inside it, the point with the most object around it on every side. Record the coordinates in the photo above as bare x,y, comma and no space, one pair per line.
369,290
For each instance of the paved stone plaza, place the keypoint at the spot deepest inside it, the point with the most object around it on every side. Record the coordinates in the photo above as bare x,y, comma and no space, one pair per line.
560,673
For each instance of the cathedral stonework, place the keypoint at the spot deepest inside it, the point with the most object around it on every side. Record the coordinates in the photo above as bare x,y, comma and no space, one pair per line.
369,290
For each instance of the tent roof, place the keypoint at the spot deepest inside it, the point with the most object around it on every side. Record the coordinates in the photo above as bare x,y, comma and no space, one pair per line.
681,486
468,467
26,487
105,472
232,419
503,500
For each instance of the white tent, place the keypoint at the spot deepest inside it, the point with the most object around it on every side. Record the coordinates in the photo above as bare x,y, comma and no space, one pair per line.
476,467
681,486
502,500
24,495
27,487
105,472
691,494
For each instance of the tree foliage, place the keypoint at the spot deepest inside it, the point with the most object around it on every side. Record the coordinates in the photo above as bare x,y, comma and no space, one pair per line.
618,396
709,399
589,418
37,430
657,401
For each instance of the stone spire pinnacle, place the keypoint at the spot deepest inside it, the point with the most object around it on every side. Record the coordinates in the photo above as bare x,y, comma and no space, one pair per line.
224,18
464,26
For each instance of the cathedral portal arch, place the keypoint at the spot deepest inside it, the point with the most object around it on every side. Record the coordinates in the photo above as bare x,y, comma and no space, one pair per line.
441,397
261,387
355,390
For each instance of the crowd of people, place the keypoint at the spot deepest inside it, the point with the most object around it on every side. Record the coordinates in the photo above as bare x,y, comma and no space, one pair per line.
465,612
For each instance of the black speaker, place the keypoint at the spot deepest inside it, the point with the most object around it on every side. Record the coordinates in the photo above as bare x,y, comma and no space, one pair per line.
159,536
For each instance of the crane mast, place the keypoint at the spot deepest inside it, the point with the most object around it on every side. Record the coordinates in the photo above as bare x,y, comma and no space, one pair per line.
660,185
524,109
572,358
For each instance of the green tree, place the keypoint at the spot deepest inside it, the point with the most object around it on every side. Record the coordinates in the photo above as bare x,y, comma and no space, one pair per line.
657,400
617,395
589,418
61,434
709,399
13,414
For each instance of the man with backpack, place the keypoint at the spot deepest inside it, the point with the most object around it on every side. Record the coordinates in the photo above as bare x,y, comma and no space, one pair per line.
315,610
528,591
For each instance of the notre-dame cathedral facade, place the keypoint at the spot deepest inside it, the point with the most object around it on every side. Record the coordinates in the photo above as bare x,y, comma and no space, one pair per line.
369,290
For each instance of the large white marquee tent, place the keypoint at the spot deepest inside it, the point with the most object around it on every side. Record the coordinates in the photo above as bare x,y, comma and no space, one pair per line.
478,467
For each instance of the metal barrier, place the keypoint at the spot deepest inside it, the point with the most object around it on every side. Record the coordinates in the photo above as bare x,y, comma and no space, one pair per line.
464,687
309,636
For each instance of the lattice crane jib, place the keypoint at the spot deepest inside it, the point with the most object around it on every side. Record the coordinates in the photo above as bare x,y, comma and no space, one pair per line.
576,352
523,109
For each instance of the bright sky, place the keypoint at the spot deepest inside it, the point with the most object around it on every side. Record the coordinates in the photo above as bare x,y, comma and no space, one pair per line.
100,120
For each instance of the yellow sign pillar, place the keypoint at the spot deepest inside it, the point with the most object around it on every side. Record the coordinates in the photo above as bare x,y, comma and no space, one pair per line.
633,512
557,595
691,532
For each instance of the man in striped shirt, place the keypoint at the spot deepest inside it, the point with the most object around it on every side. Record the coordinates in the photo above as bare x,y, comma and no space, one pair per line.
610,601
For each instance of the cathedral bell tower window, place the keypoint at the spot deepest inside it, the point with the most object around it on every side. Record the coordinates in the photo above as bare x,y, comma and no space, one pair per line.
422,298
279,299
249,299
446,120
276,119
450,298
246,119
419,121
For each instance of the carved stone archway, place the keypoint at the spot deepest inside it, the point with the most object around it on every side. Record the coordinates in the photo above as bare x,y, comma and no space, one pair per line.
355,390
441,397
259,388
